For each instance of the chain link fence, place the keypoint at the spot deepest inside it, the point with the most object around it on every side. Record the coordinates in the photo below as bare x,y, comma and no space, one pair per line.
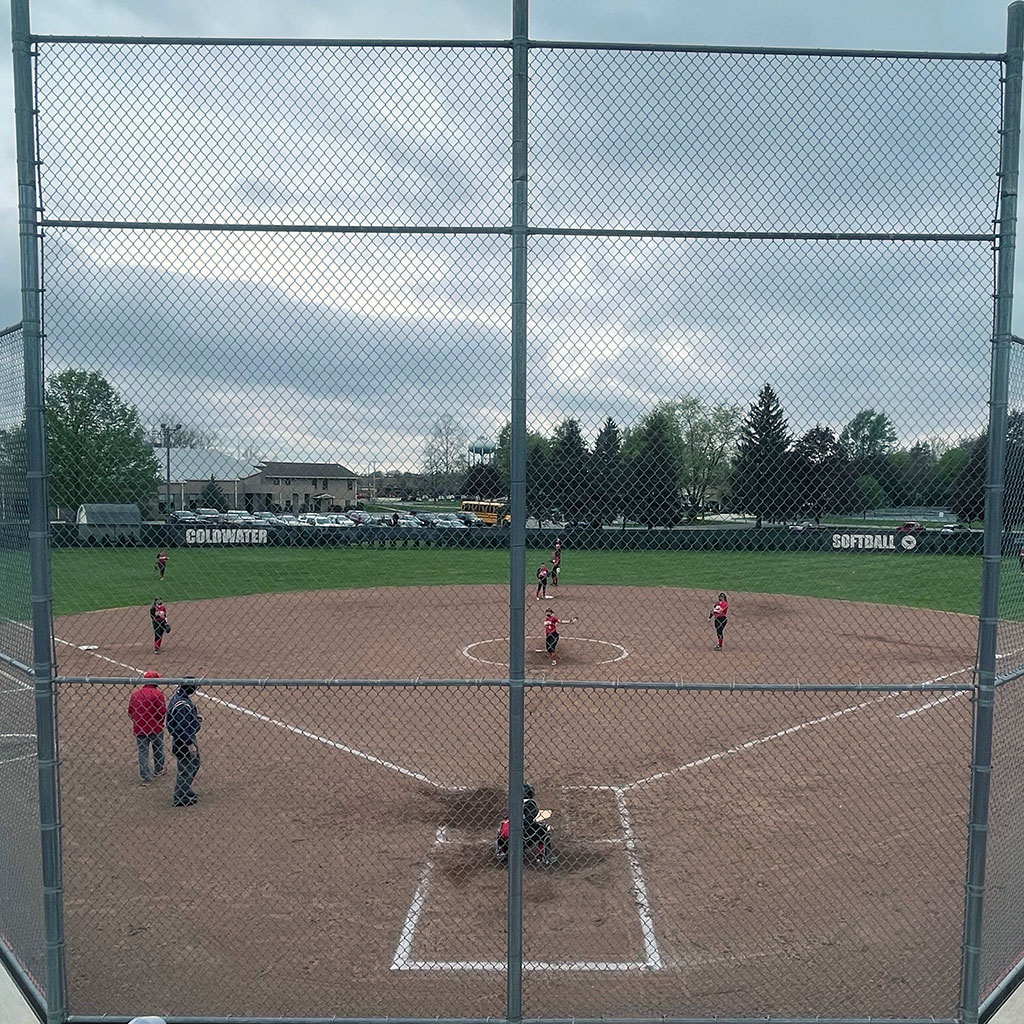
21,884
660,502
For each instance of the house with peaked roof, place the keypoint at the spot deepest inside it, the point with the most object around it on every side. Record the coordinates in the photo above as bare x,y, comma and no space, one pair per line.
100,523
299,487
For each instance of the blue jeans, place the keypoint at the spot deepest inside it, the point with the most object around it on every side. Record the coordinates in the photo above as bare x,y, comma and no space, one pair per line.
143,742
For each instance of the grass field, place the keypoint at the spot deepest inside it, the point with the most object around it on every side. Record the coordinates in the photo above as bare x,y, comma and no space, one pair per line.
86,579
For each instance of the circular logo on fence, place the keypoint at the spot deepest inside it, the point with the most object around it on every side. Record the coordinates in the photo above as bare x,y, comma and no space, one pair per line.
908,542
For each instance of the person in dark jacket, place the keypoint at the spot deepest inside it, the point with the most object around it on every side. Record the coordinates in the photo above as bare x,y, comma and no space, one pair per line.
183,725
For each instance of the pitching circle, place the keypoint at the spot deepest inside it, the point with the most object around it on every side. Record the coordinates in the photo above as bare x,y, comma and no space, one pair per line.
622,653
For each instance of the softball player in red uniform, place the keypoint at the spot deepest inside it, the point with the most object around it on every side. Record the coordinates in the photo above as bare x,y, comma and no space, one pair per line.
551,621
720,613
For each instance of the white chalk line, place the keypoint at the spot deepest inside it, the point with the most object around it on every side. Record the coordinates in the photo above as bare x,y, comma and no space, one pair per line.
643,903
404,961
294,729
19,683
14,760
623,653
355,752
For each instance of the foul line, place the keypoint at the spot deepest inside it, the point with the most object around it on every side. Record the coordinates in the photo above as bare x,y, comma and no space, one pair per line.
305,733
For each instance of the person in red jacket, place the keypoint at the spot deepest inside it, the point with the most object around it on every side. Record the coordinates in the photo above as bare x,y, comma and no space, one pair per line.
161,563
147,709
720,613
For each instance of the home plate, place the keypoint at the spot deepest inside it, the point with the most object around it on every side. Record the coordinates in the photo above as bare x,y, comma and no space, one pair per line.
88,647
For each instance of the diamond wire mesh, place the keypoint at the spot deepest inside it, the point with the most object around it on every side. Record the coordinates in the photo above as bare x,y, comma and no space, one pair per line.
761,142
21,923
754,390
275,135
1004,879
745,853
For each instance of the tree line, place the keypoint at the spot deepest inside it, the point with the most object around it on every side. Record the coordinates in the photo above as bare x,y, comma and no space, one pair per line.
679,460
685,458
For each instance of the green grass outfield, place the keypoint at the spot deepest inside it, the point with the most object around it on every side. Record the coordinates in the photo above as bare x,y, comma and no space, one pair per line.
85,579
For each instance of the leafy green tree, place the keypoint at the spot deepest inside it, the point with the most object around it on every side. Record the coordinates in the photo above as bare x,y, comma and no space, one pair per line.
652,455
707,439
607,476
567,470
868,435
212,496
762,476
97,450
873,494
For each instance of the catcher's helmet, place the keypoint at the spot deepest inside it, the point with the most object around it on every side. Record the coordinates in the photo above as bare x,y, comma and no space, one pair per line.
527,791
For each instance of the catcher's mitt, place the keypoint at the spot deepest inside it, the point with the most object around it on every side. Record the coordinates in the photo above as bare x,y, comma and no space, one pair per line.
167,627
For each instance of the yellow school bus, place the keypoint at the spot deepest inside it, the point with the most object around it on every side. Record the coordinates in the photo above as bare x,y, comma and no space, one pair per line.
489,511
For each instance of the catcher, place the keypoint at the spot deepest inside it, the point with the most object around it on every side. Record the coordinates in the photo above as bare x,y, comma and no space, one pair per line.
537,846
158,617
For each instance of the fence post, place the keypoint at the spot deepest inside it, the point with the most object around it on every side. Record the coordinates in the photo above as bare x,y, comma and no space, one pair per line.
38,516
984,707
517,510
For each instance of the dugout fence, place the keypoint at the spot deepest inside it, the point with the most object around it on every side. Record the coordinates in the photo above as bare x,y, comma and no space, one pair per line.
703,308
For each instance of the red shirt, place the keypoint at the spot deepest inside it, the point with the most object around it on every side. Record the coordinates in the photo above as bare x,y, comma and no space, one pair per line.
550,623
720,610
147,708
159,613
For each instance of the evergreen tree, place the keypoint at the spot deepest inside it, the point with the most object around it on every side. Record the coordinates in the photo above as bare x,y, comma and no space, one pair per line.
567,468
762,484
607,476
213,497
482,482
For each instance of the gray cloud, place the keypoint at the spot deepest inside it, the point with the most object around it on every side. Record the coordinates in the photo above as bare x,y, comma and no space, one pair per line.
351,348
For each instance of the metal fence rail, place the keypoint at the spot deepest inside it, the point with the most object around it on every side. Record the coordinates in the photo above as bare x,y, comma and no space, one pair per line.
682,323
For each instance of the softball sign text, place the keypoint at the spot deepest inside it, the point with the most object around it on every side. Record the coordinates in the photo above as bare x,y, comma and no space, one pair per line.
873,542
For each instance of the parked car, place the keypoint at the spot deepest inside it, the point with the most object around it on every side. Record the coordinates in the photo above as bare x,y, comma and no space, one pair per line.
286,519
955,528
411,521
470,518
806,525
449,521
210,515
911,527
238,517
340,519
183,516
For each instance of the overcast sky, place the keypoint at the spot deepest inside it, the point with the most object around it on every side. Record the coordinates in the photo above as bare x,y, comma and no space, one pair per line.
228,331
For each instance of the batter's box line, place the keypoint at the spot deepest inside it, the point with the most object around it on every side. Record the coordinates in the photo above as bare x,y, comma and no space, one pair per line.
404,961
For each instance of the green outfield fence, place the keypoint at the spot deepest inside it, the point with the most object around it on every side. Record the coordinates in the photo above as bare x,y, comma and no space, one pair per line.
634,286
